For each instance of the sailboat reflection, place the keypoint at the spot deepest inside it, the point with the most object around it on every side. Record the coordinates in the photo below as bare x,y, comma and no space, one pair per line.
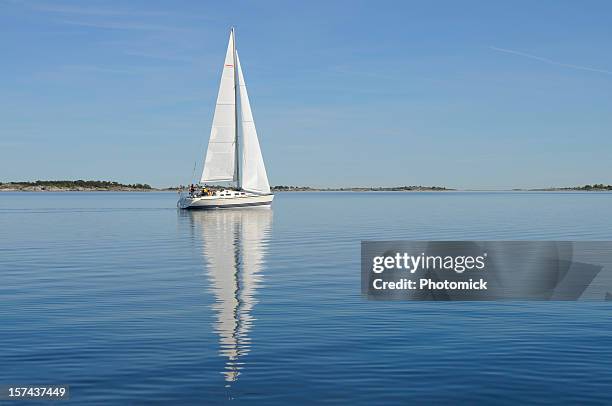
235,242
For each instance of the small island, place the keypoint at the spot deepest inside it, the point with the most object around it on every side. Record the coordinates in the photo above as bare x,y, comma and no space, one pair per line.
361,189
74,186
596,187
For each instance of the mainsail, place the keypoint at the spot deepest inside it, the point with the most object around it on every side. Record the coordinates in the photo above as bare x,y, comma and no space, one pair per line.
254,177
231,157
221,155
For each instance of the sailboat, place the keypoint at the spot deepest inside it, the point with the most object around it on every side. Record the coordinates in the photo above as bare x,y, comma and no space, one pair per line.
233,153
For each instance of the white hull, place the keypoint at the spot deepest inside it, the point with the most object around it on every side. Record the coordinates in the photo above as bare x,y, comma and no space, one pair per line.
220,202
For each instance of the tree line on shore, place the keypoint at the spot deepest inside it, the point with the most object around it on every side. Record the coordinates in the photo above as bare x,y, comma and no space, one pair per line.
596,186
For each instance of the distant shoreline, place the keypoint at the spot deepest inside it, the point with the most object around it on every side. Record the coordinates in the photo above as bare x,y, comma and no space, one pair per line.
108,186
361,189
34,190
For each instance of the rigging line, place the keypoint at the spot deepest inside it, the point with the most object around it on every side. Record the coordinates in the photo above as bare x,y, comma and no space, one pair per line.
194,171
202,154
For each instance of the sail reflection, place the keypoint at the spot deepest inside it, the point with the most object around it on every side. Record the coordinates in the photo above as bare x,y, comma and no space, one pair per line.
234,247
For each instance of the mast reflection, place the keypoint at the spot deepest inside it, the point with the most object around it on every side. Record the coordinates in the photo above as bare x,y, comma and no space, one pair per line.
234,247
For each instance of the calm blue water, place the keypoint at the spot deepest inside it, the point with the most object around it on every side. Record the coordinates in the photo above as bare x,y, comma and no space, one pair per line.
130,301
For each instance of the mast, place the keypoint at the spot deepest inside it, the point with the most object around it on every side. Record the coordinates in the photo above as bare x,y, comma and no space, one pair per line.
237,147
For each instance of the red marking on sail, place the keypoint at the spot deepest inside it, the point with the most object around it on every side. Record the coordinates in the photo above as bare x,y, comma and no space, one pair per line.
231,66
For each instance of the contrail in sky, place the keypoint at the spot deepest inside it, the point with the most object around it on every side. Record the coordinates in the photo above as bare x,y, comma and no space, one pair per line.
550,61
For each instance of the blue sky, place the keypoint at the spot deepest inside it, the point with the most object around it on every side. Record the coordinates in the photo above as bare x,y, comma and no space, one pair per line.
461,94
